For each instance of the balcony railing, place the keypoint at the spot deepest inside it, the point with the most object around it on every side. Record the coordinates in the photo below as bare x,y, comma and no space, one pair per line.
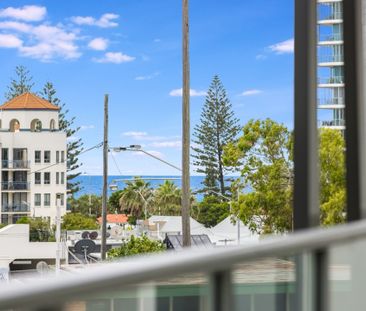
328,58
330,37
324,16
15,208
15,164
331,101
331,123
331,80
323,266
15,185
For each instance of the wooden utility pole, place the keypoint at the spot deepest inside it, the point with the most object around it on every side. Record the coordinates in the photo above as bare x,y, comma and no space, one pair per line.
186,196
103,247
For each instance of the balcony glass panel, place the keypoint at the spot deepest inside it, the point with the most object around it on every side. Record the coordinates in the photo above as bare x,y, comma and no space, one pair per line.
330,11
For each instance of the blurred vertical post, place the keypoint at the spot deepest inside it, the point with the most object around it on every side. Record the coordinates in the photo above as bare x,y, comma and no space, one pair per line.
105,181
186,230
58,234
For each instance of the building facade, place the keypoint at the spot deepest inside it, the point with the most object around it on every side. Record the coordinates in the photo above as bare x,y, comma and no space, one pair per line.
33,159
330,64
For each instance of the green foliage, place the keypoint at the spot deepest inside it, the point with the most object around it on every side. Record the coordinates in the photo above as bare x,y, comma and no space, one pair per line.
264,155
135,246
87,205
113,200
218,127
332,177
77,221
3,225
23,83
211,210
74,147
167,199
39,229
136,197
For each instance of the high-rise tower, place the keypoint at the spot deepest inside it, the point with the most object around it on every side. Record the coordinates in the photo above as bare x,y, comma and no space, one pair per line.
330,64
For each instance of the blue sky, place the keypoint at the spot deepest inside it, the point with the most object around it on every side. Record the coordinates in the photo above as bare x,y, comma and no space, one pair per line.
132,51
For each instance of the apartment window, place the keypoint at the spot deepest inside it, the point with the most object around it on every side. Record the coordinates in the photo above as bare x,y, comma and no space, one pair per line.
47,156
37,156
47,199
62,199
37,199
57,156
37,178
62,156
62,178
47,178
57,178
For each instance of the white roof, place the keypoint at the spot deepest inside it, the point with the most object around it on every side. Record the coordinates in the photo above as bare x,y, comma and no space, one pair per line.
227,232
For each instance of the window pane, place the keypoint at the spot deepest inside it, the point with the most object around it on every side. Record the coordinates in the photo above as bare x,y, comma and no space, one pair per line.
37,156
47,156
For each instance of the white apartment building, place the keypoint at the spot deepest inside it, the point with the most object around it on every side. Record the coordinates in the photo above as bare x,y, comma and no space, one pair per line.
331,102
33,159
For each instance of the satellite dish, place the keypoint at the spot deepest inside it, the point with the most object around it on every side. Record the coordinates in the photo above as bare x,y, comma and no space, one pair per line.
93,235
116,232
84,247
85,235
107,235
42,267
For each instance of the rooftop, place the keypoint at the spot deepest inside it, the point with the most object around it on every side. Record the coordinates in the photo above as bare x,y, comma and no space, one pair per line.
28,101
115,218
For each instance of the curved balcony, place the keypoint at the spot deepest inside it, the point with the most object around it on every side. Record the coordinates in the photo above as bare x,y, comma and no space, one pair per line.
338,124
333,38
331,103
331,81
15,165
15,186
15,208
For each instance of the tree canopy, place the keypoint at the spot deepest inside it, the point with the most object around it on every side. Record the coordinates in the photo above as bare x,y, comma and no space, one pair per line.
77,221
22,83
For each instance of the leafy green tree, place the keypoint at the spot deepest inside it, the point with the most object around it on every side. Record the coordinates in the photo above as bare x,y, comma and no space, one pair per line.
167,199
218,126
136,246
262,153
3,225
332,177
211,210
136,197
74,146
113,200
87,205
39,229
22,83
77,221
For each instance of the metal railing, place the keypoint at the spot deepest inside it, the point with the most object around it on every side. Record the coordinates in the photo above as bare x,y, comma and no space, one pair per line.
331,123
220,266
15,185
325,16
330,58
15,207
331,101
330,37
331,80
15,164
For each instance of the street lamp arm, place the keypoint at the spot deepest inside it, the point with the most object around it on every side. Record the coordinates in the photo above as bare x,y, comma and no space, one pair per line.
161,160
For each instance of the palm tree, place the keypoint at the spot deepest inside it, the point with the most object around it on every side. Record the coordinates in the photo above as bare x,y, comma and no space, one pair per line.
168,199
135,197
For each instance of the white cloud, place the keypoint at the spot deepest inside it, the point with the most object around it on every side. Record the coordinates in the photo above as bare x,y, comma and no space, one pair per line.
134,134
148,77
153,152
167,144
18,26
251,92
179,92
10,41
86,127
51,42
115,58
29,13
284,47
98,44
105,21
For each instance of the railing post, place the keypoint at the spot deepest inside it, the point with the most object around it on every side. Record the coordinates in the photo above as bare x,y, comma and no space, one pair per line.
221,293
354,67
306,185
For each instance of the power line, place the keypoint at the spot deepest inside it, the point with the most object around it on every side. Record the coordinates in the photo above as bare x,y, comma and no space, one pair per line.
115,163
82,152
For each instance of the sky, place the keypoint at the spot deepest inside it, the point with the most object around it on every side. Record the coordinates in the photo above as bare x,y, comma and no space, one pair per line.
131,50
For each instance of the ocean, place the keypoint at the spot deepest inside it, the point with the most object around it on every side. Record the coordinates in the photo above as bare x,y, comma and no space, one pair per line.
93,184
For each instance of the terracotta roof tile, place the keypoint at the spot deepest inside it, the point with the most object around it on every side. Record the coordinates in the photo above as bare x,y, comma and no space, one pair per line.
28,101
115,218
